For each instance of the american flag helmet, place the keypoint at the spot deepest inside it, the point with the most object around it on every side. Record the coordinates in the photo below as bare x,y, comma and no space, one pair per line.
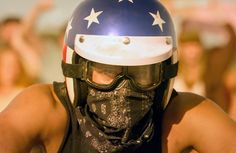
119,32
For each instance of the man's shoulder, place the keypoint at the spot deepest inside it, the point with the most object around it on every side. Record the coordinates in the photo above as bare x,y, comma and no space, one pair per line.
191,119
184,99
37,92
185,103
178,119
35,114
40,96
186,110
38,89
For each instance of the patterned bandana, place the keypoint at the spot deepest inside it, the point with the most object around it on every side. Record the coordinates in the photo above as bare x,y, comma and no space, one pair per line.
117,121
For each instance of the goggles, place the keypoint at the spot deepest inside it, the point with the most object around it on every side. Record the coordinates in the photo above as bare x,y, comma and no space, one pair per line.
107,77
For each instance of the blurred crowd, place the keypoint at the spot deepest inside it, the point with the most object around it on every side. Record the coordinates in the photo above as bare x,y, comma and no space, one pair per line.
207,46
207,50
25,57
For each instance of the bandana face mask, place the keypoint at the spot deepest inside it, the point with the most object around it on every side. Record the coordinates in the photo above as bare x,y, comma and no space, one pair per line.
121,108
110,117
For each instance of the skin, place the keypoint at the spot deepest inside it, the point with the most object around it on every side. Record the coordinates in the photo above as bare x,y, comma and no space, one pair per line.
10,76
24,125
9,64
190,121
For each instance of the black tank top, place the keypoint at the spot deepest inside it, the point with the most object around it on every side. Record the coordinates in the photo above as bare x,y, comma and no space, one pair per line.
75,142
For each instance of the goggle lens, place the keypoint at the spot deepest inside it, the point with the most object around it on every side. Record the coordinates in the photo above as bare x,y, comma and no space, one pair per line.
105,76
145,76
102,74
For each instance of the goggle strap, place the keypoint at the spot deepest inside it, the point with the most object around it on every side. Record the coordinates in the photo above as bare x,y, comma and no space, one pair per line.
170,71
72,70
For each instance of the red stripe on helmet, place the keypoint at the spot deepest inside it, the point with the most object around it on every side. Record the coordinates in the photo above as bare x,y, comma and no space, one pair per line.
64,52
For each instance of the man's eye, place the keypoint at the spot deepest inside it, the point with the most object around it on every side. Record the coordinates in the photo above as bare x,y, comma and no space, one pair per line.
110,74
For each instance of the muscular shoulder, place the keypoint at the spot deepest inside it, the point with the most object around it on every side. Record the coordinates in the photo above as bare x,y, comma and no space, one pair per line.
39,97
36,93
188,107
190,119
185,100
35,114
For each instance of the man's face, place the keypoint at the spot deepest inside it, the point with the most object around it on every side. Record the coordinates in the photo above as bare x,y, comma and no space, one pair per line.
10,68
9,30
104,75
191,52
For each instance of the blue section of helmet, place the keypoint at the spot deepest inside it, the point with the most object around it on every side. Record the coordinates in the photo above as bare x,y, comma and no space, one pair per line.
120,18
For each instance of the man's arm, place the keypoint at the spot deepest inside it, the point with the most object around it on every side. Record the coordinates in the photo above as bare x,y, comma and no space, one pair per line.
30,19
27,43
29,120
215,130
191,121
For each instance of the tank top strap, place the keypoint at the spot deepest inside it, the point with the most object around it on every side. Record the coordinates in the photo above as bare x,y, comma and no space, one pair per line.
174,94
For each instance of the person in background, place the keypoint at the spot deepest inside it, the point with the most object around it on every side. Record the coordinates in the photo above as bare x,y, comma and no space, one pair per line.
21,36
21,49
205,67
191,55
13,77
218,62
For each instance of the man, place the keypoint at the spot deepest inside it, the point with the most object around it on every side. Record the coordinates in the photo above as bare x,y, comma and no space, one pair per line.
119,62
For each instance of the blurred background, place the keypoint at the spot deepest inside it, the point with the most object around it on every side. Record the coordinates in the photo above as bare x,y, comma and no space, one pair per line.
48,21
31,42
